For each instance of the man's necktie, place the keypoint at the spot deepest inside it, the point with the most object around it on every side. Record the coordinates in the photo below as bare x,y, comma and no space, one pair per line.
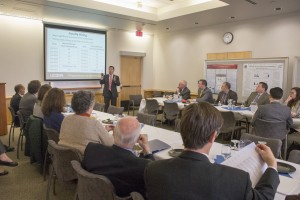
223,100
256,98
110,82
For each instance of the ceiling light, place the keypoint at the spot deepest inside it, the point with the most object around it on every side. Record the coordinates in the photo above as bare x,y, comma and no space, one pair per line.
196,23
167,28
277,9
232,17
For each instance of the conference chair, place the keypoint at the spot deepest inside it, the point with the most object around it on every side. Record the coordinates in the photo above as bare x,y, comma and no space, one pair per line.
134,102
152,108
177,125
157,94
115,110
61,167
21,135
171,111
146,118
272,129
93,186
13,125
229,124
51,134
99,107
274,144
294,156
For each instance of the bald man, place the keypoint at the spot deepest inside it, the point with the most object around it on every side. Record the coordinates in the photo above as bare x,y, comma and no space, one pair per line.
184,92
118,162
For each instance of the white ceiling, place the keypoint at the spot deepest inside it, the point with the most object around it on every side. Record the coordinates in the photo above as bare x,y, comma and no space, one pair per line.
90,12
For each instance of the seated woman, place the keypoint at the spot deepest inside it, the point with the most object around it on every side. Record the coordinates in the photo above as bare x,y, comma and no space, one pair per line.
37,111
79,129
52,108
293,101
5,160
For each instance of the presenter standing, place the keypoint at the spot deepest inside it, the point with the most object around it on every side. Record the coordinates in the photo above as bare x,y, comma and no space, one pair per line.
110,92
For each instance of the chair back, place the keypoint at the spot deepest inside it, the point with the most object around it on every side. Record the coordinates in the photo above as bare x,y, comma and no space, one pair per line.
12,114
115,110
270,129
274,144
93,186
177,125
294,156
51,134
135,100
61,160
157,94
228,122
168,93
21,119
152,106
171,110
146,118
99,107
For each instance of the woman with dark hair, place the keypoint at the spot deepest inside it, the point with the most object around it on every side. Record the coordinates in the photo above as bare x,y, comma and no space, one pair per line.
79,129
293,101
37,111
52,108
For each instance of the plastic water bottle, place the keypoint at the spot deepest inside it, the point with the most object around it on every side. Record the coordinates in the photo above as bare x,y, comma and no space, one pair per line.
219,103
253,106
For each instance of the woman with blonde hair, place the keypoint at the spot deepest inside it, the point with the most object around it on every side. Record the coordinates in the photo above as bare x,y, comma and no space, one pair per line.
52,108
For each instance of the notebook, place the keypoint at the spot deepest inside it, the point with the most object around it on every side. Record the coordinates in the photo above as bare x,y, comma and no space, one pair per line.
158,145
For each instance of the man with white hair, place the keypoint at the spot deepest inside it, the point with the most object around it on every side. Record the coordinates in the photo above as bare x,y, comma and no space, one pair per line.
118,162
184,92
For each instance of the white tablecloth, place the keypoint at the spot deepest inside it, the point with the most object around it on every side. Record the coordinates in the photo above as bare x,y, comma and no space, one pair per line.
174,140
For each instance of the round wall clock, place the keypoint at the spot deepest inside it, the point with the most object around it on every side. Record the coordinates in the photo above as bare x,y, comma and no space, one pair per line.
228,38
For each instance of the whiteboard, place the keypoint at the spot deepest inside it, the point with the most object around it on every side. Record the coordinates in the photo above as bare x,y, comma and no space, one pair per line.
242,81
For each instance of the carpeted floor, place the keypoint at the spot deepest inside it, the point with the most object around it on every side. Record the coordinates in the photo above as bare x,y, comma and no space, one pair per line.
26,181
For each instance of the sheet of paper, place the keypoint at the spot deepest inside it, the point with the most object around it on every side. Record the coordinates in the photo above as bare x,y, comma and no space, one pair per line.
249,160
287,185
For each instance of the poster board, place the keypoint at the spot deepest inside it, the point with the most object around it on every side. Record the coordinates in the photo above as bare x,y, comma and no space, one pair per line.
247,74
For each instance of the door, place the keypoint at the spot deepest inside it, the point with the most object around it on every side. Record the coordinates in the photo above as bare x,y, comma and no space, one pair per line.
130,76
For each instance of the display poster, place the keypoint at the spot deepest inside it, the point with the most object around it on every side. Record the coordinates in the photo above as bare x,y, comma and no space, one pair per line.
217,74
253,73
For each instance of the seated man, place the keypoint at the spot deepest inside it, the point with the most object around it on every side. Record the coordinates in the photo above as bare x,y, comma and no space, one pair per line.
118,162
226,93
15,100
274,111
260,96
184,92
192,176
204,93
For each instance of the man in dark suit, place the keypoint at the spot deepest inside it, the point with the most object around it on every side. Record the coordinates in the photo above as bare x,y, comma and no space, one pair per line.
226,93
274,111
260,96
204,93
110,92
119,163
191,176
184,92
15,100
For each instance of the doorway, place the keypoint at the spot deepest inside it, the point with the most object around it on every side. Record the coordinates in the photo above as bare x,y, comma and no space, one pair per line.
131,76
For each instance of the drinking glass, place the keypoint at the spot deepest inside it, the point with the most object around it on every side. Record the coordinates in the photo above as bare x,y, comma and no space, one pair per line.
226,151
235,144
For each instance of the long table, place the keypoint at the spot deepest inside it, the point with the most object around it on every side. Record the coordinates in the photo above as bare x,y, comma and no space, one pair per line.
174,140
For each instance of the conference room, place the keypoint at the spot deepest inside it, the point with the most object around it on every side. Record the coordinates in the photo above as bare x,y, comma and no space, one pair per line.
150,53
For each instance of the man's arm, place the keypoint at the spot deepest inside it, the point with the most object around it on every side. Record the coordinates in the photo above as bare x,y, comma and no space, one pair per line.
206,96
143,142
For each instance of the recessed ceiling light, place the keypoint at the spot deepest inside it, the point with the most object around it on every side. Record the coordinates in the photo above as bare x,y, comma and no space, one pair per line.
167,28
196,23
232,17
277,9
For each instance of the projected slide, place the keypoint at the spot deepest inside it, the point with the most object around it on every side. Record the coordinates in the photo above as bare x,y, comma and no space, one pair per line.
74,54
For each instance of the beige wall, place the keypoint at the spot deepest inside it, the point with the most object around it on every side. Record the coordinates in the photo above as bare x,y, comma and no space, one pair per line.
181,55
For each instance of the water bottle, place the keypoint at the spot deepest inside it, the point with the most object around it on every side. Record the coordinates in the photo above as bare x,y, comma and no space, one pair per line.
253,106
219,103
230,104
